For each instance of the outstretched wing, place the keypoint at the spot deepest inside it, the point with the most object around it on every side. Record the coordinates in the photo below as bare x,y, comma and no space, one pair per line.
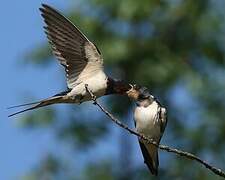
75,52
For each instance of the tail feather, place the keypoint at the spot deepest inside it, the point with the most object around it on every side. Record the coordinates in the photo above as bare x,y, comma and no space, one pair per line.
28,109
21,105
150,157
46,102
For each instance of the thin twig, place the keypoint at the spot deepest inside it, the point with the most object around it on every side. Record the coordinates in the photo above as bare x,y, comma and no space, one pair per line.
188,155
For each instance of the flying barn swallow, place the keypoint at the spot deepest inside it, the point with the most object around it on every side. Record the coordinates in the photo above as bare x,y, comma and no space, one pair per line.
82,60
150,120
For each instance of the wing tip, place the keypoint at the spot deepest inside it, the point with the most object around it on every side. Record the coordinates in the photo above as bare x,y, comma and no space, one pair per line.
153,170
43,5
151,163
45,8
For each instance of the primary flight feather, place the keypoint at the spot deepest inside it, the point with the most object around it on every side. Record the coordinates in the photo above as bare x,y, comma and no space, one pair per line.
82,61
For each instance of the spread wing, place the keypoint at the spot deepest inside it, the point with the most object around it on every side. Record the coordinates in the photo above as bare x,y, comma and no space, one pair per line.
75,52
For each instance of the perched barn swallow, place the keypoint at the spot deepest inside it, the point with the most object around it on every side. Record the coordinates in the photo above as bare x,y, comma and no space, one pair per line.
82,61
150,120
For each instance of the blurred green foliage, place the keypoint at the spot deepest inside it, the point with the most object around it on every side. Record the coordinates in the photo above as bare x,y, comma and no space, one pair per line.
44,118
176,49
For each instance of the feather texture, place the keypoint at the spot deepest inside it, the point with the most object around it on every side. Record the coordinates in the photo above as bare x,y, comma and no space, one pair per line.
71,47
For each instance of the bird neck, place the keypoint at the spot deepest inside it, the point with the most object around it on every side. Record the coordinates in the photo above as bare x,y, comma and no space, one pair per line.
117,87
146,102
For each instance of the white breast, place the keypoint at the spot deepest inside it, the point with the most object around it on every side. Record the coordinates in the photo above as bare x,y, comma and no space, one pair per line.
97,84
146,119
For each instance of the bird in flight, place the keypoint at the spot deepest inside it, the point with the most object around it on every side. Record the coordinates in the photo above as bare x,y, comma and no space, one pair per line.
150,120
81,59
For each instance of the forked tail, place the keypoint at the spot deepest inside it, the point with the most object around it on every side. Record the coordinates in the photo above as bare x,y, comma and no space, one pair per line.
42,103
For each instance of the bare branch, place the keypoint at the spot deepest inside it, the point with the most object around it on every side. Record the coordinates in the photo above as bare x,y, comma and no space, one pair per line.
188,155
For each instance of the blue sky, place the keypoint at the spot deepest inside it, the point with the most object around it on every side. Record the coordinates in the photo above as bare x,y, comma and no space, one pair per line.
22,149
21,30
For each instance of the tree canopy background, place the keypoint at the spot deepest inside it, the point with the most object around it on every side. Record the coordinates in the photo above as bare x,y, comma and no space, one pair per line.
173,47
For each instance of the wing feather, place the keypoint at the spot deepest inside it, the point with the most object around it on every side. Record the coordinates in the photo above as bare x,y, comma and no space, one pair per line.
151,160
163,119
75,52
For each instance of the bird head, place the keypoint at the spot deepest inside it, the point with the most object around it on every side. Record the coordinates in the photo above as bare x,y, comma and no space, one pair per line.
133,92
143,93
144,97
137,92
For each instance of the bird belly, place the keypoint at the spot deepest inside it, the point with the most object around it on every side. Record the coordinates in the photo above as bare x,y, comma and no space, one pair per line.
146,119
97,84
